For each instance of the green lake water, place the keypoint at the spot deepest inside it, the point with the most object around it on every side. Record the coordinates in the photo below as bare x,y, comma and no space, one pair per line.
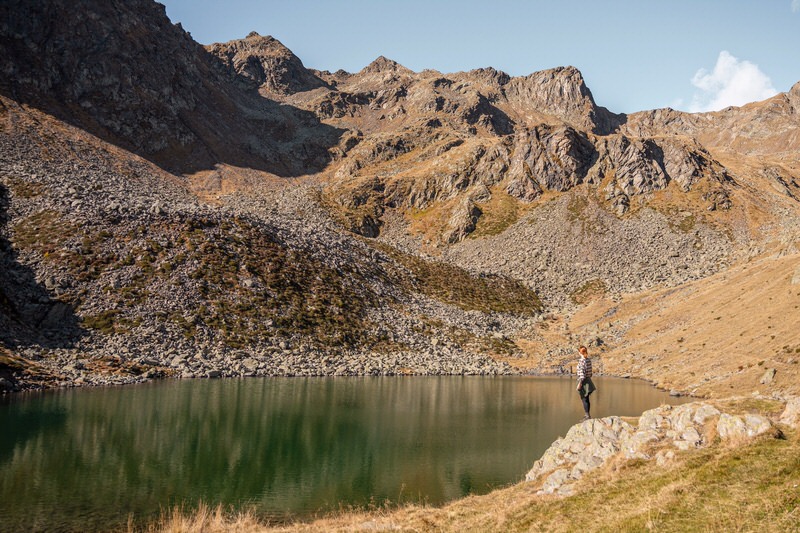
86,460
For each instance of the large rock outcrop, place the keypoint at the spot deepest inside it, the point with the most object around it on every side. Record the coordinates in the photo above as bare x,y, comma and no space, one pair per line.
660,432
266,63
561,92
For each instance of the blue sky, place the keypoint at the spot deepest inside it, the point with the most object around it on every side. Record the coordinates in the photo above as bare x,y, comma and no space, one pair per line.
634,54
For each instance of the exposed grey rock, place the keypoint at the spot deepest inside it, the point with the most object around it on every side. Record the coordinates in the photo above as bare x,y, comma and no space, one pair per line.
265,62
250,364
593,443
732,427
463,220
559,159
164,104
586,446
7,386
631,253
796,277
768,376
791,414
560,92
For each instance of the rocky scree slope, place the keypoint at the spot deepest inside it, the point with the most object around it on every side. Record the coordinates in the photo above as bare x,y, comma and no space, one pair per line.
115,272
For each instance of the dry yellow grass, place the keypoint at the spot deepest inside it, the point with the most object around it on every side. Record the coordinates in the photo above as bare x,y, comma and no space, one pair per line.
500,212
713,337
205,520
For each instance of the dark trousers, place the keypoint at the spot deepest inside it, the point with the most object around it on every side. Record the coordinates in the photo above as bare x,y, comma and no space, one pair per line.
585,388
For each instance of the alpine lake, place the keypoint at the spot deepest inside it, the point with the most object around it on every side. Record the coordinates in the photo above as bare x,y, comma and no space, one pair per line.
289,448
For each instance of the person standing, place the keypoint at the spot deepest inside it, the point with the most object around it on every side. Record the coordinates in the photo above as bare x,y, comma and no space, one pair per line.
585,385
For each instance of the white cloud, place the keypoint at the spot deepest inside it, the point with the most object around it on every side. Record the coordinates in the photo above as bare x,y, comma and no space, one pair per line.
732,82
795,6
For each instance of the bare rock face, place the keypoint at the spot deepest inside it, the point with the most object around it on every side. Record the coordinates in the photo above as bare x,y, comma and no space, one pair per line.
521,183
266,63
660,432
463,221
559,158
560,92
686,164
636,165
46,52
383,65
122,71
640,166
794,98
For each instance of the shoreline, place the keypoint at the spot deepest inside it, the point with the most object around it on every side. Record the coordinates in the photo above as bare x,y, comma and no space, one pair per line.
138,380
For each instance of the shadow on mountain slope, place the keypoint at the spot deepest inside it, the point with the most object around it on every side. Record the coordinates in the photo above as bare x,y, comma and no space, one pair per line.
28,315
120,70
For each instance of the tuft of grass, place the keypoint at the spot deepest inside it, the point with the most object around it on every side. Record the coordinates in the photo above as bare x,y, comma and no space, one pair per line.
499,213
203,519
456,286
254,286
743,406
687,223
357,206
592,289
43,232
576,207
24,188
108,322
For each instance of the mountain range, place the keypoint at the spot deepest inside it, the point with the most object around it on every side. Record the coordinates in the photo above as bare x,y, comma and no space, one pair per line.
173,209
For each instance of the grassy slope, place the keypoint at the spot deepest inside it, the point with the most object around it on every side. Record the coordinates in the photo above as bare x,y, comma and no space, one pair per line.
715,336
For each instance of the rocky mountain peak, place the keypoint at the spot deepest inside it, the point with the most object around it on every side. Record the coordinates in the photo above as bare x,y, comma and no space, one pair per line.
490,75
265,43
383,64
567,84
102,64
561,92
563,85
509,178
266,63
121,70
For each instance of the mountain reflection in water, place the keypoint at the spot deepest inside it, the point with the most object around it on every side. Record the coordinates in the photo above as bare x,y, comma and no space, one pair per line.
83,460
